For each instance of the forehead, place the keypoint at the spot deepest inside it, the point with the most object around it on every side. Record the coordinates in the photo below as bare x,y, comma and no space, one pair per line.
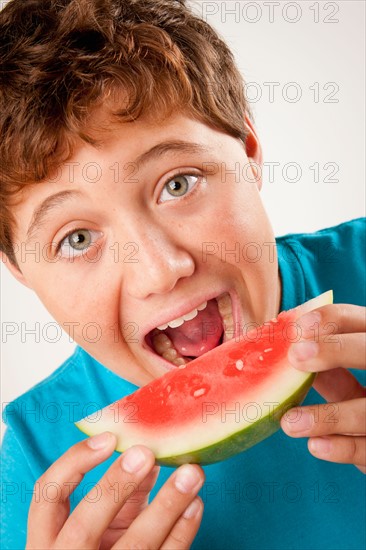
130,145
112,139
106,129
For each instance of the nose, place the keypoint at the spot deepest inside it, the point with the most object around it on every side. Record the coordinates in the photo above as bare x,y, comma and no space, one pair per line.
161,263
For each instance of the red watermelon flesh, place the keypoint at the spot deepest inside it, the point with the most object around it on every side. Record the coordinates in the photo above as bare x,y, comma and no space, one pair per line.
219,404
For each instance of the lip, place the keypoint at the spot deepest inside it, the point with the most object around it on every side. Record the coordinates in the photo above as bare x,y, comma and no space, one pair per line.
185,308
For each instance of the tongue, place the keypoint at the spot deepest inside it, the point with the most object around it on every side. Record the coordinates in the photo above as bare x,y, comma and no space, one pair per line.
199,335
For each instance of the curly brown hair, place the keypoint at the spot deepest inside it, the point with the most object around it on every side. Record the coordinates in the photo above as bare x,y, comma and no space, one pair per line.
60,59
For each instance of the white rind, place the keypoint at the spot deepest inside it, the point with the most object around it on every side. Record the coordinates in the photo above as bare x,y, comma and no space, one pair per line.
322,300
229,417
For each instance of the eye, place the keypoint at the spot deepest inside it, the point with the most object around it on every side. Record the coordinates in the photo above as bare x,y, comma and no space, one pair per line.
178,186
76,242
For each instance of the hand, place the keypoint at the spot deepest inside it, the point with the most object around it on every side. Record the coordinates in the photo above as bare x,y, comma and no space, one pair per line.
334,340
112,521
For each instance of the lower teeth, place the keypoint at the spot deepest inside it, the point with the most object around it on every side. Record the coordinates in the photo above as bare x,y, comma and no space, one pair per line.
170,354
163,346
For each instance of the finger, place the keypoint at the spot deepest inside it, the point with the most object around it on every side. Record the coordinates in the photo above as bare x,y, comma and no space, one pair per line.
50,506
137,502
132,508
341,350
184,531
339,448
155,523
332,319
338,385
92,516
346,417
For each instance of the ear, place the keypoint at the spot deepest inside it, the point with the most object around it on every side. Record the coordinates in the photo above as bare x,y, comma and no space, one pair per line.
14,270
254,152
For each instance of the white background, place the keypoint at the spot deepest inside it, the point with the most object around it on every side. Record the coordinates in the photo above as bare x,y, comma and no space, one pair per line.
294,44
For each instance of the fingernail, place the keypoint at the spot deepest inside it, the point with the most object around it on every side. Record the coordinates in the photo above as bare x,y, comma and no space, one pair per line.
187,479
309,324
299,420
320,445
192,510
133,460
301,351
99,441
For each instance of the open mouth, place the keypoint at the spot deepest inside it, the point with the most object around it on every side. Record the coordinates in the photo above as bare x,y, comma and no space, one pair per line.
181,340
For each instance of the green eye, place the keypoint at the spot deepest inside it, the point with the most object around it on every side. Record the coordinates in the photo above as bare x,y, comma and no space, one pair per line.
77,243
80,239
178,186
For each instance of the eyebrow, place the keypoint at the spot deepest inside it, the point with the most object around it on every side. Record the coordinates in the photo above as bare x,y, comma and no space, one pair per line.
44,209
157,151
165,147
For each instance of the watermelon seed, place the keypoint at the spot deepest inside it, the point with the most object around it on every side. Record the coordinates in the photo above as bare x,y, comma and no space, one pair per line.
261,358
267,350
199,392
239,364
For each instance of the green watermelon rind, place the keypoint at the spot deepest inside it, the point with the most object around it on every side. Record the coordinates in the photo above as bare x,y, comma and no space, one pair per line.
240,441
244,439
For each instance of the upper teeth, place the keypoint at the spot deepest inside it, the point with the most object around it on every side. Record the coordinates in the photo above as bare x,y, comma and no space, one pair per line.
187,317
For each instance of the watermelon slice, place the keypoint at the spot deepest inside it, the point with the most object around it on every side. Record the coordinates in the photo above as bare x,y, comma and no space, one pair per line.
219,404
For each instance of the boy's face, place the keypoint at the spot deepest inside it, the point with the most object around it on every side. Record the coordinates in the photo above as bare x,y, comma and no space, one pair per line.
156,231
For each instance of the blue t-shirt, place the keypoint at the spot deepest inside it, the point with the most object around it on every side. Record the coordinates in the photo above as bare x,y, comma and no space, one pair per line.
273,496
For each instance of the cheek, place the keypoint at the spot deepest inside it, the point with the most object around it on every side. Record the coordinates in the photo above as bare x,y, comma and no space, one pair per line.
235,232
76,293
233,214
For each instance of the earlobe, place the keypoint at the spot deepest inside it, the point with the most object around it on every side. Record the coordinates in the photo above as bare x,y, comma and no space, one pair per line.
254,152
14,270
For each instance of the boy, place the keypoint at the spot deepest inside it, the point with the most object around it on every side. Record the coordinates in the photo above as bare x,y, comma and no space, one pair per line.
160,199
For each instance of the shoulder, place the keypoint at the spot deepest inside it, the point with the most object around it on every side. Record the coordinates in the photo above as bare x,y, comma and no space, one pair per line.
331,258
38,413
80,380
333,245
61,381
42,420
349,231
